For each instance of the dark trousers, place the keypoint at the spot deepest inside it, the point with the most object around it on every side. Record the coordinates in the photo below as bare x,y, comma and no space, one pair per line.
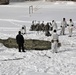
21,46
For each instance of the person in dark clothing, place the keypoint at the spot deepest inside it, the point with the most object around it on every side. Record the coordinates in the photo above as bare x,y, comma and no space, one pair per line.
47,27
20,41
43,26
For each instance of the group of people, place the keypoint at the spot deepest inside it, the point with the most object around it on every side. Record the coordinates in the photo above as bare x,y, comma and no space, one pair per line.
55,37
70,26
49,26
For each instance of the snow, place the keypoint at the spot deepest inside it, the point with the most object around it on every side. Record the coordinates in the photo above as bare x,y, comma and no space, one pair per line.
14,16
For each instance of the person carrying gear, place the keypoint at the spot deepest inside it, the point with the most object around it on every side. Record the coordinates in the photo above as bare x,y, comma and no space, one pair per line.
55,40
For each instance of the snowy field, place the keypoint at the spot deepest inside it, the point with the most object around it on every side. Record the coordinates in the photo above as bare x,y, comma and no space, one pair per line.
14,16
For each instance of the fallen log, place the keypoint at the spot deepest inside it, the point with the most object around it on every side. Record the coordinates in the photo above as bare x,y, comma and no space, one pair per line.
29,44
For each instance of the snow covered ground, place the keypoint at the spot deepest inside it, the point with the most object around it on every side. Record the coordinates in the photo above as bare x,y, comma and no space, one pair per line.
14,16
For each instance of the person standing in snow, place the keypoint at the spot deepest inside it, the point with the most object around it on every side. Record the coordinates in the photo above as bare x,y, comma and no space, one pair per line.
70,27
63,26
42,26
54,24
32,26
55,40
38,27
23,30
20,41
51,27
47,28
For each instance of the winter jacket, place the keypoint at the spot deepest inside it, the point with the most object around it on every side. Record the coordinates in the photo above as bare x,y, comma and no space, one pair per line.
47,27
23,30
64,24
19,39
71,25
54,42
55,37
54,24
